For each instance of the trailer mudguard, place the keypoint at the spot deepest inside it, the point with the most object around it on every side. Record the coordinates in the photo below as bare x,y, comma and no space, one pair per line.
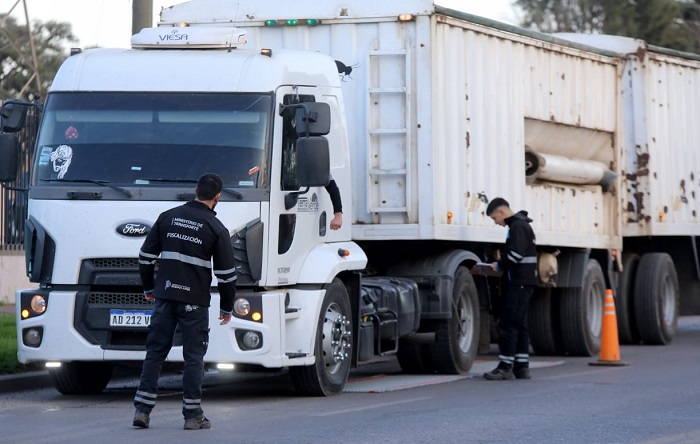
326,261
572,266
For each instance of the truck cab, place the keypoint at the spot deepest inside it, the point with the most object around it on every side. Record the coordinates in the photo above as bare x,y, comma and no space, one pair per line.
124,136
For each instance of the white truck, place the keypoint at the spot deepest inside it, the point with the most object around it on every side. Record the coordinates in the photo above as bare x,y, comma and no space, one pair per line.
421,114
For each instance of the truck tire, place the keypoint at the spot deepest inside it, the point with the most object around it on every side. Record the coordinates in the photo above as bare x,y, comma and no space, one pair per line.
657,298
333,350
457,338
624,300
543,323
81,378
581,313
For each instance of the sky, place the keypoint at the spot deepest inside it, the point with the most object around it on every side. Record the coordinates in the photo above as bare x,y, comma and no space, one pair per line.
107,23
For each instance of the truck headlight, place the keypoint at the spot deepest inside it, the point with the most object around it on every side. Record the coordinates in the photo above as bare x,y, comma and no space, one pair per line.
241,306
38,304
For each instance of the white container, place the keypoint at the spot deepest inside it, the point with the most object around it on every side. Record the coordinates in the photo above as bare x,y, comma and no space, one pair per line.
661,166
440,110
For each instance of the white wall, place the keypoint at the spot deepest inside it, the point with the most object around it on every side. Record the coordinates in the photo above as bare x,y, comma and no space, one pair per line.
12,275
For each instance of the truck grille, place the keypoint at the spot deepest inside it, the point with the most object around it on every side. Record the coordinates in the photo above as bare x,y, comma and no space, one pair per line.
117,299
130,263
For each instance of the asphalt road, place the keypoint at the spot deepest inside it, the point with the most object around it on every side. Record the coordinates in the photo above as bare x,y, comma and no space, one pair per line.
656,399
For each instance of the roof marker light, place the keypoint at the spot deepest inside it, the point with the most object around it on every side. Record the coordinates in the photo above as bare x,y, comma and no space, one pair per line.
293,22
407,17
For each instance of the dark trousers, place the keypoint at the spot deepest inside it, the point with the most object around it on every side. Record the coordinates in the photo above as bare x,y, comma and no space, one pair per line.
194,327
514,336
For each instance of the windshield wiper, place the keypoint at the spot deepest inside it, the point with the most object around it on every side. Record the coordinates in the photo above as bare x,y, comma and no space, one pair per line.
235,193
103,183
161,179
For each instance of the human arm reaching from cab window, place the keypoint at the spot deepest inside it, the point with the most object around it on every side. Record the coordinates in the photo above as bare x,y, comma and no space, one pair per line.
334,193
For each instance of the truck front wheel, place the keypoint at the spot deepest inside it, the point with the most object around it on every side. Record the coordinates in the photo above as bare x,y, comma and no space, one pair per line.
457,339
81,378
333,350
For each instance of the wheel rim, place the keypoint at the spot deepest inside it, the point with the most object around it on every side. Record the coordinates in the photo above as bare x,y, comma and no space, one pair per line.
465,321
595,309
336,339
668,302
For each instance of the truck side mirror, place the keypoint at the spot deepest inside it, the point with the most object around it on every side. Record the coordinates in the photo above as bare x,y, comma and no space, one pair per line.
12,116
312,119
313,162
312,167
9,157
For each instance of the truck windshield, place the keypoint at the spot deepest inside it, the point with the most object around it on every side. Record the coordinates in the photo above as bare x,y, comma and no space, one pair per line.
153,139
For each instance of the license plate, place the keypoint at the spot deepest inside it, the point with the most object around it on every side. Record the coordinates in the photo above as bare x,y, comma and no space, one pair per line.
129,318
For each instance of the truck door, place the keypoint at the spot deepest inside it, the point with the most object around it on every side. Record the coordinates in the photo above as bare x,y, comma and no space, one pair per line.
303,225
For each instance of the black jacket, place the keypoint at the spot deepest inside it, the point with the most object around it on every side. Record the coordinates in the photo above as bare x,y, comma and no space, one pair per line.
519,262
187,238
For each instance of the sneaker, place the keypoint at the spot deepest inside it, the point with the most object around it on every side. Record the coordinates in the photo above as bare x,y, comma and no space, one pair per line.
197,423
141,419
521,373
500,374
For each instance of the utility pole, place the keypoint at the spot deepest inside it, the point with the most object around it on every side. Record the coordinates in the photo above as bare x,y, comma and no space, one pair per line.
141,15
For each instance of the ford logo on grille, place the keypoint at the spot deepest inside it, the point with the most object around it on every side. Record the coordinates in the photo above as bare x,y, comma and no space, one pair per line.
133,229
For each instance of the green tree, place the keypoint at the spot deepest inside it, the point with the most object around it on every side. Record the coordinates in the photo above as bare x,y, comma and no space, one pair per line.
51,39
582,16
690,12
658,22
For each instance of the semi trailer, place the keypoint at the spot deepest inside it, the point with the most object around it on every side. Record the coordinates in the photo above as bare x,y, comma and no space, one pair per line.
422,115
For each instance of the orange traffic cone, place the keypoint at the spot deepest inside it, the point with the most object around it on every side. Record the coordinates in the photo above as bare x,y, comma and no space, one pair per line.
610,345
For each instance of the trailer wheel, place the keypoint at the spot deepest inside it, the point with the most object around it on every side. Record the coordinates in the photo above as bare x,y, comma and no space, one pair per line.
624,300
81,378
543,323
328,375
457,339
657,298
581,311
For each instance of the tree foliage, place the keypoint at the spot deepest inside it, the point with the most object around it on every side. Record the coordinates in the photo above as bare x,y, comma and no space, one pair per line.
690,13
669,23
51,39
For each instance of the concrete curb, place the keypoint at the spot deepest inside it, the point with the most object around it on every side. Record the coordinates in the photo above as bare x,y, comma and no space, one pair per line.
24,381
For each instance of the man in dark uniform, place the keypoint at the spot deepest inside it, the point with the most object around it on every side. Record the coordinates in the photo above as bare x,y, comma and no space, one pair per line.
519,267
186,238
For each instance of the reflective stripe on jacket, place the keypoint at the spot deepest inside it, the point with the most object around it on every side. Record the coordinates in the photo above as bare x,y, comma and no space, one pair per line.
519,261
187,238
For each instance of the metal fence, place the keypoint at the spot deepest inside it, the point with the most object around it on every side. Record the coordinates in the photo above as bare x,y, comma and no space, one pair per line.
13,196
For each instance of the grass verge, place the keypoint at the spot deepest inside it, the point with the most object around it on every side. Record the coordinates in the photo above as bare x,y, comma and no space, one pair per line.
8,348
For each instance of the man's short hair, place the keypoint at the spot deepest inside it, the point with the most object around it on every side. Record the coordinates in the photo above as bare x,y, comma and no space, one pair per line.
208,186
495,203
